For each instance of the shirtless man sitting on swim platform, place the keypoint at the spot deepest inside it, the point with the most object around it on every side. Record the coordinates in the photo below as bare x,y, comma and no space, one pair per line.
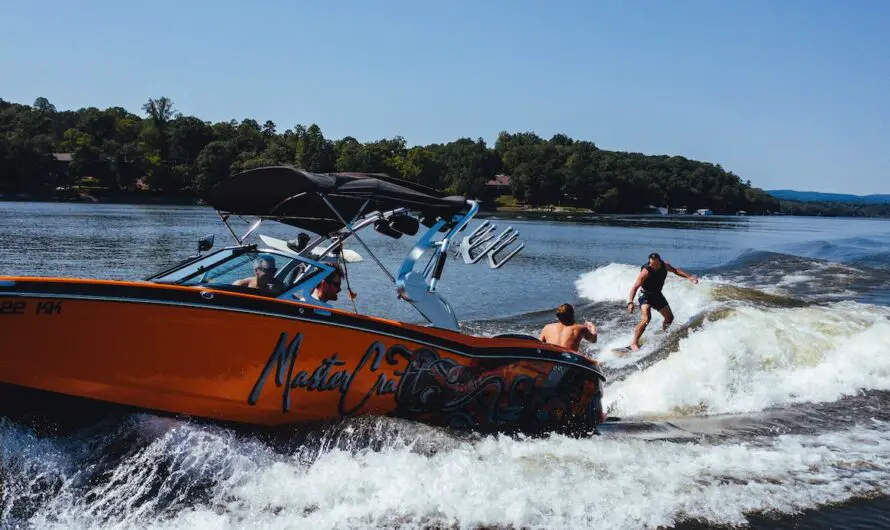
566,332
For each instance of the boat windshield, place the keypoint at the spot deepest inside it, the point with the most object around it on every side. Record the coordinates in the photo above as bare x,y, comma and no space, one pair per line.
246,268
241,268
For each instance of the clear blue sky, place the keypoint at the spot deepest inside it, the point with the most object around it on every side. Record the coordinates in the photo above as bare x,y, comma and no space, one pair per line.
786,93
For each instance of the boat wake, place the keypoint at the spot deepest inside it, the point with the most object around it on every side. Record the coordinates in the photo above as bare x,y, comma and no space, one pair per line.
738,349
181,475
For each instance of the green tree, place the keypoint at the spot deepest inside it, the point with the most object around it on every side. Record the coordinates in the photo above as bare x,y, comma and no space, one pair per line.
214,163
349,155
313,152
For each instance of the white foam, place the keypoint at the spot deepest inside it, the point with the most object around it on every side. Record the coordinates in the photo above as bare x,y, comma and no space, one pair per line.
762,357
556,482
159,477
794,279
27,465
612,283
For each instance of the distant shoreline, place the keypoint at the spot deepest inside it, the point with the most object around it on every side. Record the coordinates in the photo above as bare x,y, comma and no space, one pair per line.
179,200
117,198
555,212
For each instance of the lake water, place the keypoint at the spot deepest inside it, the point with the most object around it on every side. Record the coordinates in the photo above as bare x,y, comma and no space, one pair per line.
765,404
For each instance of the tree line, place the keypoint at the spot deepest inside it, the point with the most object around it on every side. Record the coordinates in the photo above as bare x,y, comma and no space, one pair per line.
167,152
834,209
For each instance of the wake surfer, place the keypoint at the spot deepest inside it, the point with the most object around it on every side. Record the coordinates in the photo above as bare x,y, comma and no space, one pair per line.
651,280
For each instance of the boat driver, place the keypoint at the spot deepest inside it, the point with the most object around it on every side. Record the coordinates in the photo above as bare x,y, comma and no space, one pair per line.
264,279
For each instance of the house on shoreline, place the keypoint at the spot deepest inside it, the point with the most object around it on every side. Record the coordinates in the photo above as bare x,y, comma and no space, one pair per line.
61,164
496,187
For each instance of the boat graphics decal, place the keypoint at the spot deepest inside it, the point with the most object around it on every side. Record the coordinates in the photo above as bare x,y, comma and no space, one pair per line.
493,394
464,393
328,375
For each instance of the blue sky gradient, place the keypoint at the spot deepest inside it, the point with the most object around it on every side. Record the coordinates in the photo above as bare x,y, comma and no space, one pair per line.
789,94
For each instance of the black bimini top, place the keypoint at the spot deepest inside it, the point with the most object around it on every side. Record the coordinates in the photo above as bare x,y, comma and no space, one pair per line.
294,196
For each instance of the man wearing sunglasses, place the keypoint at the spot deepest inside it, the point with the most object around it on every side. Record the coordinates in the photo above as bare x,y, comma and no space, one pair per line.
264,280
329,288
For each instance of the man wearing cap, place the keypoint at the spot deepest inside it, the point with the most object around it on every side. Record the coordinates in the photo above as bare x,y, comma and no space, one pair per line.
651,280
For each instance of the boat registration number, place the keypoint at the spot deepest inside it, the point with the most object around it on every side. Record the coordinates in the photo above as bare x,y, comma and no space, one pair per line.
19,307
12,307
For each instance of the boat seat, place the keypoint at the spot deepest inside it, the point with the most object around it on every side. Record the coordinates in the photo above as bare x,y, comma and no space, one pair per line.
516,336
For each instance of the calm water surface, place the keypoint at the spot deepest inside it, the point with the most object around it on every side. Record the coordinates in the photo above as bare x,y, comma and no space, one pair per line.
765,405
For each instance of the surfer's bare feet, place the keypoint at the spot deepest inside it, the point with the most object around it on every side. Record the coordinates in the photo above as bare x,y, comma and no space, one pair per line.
635,347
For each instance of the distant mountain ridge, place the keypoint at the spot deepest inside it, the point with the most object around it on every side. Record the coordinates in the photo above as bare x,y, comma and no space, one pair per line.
815,196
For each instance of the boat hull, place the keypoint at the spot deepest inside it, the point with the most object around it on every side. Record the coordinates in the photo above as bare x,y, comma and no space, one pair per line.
262,362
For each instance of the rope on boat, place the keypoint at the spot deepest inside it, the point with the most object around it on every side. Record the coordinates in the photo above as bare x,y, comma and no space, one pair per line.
341,259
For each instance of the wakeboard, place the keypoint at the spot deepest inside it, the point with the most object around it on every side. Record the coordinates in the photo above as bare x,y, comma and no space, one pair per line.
621,352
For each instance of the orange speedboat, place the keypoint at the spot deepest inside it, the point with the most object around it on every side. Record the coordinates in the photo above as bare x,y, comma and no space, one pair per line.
191,342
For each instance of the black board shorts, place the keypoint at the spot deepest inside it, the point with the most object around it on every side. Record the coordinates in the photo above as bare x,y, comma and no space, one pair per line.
656,300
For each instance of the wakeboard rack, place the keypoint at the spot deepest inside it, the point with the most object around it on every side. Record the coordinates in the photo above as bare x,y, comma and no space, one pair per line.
482,242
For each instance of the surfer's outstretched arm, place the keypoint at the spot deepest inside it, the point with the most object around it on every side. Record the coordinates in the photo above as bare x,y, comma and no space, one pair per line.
681,273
